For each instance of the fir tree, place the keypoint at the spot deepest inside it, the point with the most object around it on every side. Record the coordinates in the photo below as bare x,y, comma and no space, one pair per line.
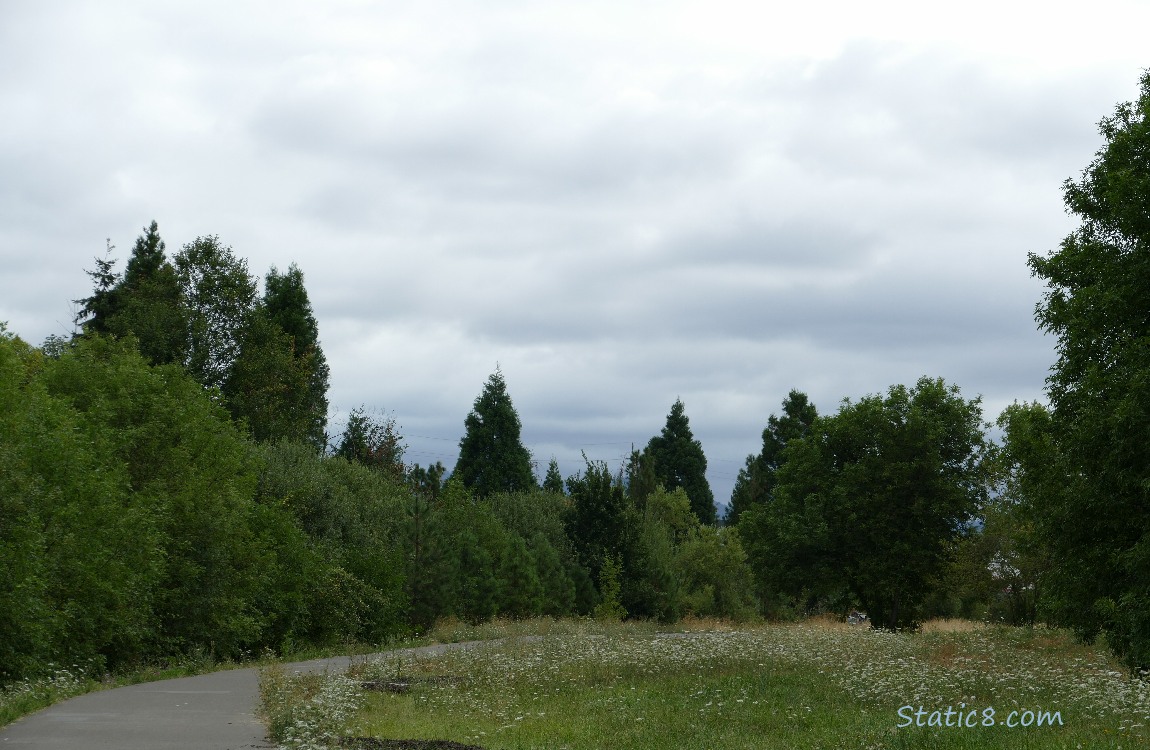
679,461
491,456
553,481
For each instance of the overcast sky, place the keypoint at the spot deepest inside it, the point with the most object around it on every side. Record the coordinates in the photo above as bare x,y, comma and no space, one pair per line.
621,203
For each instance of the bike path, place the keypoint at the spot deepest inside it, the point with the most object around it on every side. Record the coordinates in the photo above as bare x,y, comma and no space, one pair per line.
214,711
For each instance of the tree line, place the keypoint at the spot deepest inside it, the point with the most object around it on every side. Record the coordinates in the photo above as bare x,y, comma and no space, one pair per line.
169,484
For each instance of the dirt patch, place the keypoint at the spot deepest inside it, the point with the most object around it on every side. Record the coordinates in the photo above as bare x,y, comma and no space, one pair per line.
373,743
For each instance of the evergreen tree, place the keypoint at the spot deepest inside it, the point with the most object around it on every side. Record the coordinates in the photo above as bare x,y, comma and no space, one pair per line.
757,479
491,456
150,303
553,481
520,588
144,302
267,386
287,305
96,311
374,443
278,380
679,461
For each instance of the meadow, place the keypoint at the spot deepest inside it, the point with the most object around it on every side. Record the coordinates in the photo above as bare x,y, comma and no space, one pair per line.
818,684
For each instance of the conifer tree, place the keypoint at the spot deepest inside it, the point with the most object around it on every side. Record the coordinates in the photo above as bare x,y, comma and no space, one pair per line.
491,456
679,461
757,479
553,481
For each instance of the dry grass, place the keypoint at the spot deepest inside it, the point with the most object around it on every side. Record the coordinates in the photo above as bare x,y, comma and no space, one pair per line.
949,625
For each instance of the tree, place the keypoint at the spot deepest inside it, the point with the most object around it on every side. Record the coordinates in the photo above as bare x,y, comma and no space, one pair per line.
145,302
95,311
151,303
375,443
288,306
491,456
757,479
1096,304
267,387
871,501
679,461
553,481
220,296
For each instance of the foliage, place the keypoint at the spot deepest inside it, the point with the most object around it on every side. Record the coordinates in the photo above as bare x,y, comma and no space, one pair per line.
374,443
678,461
553,480
1099,388
491,455
757,479
871,500
288,307
610,606
220,296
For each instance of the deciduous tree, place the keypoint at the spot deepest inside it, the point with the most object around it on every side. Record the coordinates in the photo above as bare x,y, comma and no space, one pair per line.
1097,305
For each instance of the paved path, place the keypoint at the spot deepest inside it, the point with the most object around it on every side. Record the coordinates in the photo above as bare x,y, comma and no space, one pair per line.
209,712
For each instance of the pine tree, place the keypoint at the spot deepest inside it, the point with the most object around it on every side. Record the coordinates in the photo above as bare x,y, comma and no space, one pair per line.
679,461
491,456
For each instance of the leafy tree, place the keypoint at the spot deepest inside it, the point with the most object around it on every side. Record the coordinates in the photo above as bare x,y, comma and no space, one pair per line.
716,579
186,463
220,296
491,456
757,479
679,461
1096,306
598,521
81,556
872,500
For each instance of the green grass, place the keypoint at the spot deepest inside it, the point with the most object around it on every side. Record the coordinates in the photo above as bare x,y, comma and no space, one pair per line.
796,686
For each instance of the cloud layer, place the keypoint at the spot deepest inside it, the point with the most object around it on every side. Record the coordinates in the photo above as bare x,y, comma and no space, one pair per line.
621,205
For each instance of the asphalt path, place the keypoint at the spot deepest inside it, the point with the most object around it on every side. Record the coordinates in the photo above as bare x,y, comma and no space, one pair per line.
214,711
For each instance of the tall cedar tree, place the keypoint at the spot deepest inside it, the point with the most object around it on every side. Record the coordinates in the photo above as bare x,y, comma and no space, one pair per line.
279,379
1096,304
491,457
756,480
679,461
287,303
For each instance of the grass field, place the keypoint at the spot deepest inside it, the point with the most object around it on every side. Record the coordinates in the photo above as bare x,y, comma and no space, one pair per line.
810,685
